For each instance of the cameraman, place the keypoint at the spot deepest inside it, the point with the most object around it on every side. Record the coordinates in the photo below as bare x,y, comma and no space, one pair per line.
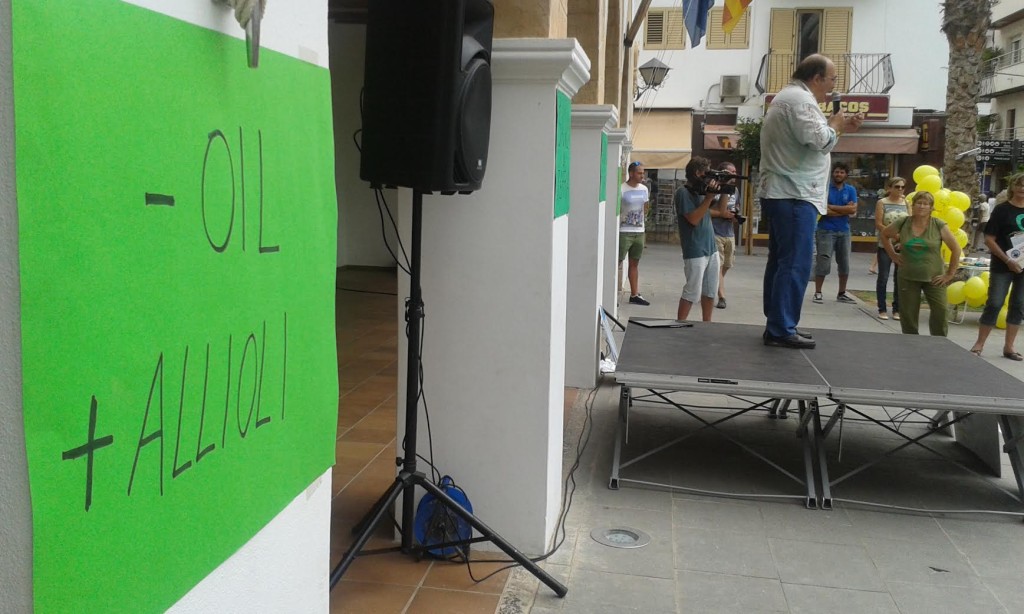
697,239
723,220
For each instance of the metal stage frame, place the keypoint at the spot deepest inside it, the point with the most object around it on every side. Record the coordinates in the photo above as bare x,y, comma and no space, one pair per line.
848,371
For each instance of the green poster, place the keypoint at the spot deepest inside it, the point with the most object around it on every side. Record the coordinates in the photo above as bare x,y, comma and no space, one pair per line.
603,190
177,224
563,151
618,197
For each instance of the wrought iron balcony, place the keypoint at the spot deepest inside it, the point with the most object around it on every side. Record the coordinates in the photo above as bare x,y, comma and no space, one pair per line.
857,73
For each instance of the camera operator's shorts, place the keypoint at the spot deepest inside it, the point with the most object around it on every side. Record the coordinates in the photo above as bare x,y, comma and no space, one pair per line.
631,243
701,278
726,251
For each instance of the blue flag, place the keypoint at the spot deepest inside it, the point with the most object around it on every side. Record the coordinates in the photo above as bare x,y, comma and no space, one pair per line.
695,16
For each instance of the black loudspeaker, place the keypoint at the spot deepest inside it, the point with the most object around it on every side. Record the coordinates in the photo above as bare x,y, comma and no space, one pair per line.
426,102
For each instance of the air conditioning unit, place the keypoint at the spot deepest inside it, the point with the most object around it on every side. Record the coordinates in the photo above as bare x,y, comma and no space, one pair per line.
733,88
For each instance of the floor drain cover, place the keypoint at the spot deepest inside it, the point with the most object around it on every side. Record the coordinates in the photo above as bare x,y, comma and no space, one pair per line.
621,537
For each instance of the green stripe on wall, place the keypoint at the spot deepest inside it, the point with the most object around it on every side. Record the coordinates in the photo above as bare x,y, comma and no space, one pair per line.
563,138
604,169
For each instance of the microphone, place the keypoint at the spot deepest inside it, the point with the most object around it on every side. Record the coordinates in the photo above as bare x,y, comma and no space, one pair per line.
836,99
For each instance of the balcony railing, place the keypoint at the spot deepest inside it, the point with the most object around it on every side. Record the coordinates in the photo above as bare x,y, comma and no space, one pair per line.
1002,134
857,73
1002,72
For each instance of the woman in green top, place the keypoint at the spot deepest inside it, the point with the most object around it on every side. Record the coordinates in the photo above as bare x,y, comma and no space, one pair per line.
920,264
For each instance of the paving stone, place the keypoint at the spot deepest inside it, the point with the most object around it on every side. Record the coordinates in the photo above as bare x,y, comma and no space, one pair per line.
820,564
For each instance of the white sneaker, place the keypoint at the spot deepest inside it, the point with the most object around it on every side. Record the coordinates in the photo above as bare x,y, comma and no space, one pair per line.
817,298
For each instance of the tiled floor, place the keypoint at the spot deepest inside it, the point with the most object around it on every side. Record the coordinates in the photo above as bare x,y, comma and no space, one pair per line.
367,323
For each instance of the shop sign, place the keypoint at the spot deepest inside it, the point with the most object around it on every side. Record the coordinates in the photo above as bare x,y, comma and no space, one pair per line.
875,107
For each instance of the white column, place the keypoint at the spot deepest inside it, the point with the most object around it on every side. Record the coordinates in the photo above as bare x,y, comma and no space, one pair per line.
493,277
610,289
586,242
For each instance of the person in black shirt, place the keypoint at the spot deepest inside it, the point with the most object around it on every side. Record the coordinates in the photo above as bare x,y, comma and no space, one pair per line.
1006,275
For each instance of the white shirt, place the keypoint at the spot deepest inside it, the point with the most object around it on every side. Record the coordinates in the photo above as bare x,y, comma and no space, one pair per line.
796,146
634,198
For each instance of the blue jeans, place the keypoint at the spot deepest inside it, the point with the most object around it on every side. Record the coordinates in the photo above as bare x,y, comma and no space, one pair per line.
998,286
884,264
791,224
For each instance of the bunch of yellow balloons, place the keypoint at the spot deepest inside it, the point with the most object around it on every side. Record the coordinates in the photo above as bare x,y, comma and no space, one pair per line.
974,292
949,205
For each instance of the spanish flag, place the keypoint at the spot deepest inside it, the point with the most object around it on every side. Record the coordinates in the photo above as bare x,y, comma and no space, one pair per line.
732,13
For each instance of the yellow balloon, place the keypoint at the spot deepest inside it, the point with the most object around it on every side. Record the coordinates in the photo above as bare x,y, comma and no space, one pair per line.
984,277
924,171
942,196
931,183
1001,318
910,197
955,293
974,288
945,253
960,200
953,217
977,302
938,207
961,237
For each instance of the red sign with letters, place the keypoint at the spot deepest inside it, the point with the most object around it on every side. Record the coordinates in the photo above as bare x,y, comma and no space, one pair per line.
875,107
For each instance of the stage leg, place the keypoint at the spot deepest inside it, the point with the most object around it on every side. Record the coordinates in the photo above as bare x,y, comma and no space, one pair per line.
807,443
819,445
1013,433
613,483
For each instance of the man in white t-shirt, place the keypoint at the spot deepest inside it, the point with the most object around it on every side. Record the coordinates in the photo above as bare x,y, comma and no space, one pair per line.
633,210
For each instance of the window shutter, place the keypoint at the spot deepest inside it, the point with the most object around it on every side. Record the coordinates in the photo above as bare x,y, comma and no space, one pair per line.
782,47
717,38
835,42
654,37
740,37
675,29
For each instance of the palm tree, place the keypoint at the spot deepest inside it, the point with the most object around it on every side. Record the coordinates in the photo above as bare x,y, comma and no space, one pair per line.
965,24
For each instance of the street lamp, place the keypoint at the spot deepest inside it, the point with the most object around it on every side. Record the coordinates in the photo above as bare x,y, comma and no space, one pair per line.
652,75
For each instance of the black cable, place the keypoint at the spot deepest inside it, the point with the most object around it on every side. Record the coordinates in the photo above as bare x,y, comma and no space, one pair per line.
383,232
435,474
380,196
567,492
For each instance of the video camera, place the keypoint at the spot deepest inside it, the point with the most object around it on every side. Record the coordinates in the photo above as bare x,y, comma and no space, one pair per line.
723,178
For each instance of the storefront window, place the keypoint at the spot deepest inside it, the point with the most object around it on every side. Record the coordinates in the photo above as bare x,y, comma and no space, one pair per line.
868,174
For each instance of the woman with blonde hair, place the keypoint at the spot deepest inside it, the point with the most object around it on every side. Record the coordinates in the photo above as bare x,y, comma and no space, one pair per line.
1006,276
889,209
919,263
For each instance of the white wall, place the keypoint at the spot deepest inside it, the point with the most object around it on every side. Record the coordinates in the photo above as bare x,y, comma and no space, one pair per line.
284,568
360,240
908,30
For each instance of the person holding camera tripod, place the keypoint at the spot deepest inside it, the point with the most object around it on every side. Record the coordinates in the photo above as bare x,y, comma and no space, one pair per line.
724,215
697,239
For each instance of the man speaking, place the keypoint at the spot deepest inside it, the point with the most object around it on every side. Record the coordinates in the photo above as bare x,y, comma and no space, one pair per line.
796,142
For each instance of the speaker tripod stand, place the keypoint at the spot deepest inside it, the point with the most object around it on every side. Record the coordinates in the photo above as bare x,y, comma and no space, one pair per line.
409,477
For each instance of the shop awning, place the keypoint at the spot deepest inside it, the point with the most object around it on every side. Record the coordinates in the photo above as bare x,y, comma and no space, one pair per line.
720,137
879,140
865,140
661,138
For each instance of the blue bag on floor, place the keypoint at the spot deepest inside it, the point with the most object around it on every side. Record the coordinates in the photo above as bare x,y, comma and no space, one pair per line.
436,524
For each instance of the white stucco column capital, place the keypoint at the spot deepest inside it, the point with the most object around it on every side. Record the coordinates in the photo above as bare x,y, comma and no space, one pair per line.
559,61
616,136
599,116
